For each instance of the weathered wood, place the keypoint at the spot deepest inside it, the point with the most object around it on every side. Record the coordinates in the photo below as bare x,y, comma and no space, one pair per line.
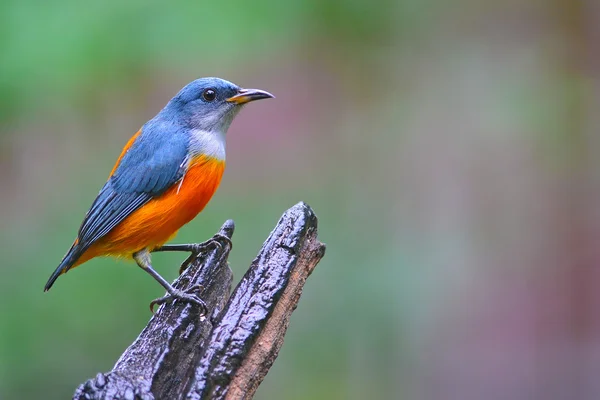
247,339
180,355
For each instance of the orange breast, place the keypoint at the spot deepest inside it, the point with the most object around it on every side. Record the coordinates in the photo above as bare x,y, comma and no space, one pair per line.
157,221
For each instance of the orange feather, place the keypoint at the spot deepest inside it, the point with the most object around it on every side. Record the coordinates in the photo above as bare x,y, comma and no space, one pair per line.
127,146
157,221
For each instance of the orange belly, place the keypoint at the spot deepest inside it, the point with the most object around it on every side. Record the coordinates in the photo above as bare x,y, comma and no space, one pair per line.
157,221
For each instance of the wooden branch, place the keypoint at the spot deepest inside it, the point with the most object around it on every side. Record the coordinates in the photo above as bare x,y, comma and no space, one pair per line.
180,355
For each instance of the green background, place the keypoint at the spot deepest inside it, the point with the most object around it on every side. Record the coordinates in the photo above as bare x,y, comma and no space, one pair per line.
449,149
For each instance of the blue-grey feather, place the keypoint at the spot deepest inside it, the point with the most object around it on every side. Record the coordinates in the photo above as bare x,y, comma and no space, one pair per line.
153,164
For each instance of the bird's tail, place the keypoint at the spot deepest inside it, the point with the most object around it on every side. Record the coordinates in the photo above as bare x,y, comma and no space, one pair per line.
67,263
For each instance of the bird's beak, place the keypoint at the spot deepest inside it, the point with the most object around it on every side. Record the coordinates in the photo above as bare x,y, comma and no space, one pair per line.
247,95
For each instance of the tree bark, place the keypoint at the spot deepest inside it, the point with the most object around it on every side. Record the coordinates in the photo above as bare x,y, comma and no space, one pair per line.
226,354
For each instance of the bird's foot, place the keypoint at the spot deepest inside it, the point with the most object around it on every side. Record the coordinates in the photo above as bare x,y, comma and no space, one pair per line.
189,296
218,241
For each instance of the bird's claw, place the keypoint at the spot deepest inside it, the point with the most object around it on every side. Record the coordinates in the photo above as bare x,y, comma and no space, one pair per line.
199,248
188,296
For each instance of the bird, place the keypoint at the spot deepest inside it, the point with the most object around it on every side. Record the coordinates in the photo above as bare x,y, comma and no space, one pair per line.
165,175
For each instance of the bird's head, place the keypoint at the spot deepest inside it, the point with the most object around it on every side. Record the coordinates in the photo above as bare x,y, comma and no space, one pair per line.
209,104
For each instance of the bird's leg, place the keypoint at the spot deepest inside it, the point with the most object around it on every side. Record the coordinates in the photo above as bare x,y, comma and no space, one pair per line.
142,258
197,248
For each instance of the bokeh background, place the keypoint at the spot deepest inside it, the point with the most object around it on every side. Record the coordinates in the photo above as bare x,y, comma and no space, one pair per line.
449,148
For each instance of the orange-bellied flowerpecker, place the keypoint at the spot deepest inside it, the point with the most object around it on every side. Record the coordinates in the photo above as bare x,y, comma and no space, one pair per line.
165,175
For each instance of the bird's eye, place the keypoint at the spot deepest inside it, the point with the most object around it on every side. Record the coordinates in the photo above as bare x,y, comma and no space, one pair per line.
209,94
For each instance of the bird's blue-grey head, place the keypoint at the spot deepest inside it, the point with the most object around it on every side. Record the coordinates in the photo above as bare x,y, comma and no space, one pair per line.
210,104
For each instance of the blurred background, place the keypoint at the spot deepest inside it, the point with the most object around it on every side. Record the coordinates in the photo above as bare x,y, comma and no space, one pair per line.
450,150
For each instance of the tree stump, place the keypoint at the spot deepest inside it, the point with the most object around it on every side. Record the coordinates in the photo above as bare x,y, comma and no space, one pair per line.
227,353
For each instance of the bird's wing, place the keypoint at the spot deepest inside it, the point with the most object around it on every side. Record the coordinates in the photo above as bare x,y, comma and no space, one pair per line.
146,170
